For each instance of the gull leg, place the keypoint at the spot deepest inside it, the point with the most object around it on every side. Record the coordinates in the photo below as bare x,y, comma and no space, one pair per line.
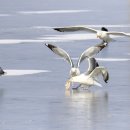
97,83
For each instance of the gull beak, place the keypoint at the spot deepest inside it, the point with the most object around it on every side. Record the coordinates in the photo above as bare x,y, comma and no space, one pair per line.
67,85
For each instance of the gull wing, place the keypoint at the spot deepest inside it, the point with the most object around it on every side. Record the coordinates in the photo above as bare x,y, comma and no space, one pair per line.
119,34
92,64
89,53
75,28
100,71
60,52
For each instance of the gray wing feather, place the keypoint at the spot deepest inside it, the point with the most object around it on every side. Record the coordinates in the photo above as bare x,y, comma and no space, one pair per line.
100,71
81,58
75,28
88,53
119,34
92,65
60,52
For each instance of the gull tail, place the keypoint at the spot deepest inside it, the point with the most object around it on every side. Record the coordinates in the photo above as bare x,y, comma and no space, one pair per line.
97,84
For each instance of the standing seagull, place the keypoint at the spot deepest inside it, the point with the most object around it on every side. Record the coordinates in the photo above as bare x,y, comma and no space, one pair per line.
103,34
88,53
89,79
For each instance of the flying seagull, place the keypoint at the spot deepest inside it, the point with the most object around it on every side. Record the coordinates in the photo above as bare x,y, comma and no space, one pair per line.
88,53
103,34
89,79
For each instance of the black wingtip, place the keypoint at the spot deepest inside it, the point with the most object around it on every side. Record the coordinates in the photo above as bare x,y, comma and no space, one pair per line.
106,81
97,65
104,29
1,71
50,46
58,29
107,78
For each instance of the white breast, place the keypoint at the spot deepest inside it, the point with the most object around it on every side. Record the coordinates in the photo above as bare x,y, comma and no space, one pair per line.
103,35
74,72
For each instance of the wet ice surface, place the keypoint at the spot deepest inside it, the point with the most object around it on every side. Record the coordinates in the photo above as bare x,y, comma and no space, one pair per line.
22,72
36,99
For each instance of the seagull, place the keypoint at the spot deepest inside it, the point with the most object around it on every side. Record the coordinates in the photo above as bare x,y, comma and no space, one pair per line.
89,79
88,53
103,34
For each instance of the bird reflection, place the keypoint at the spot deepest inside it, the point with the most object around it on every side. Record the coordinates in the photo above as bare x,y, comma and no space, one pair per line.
1,94
89,106
1,98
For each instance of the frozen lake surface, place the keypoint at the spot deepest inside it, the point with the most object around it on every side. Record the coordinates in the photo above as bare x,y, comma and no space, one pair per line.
32,94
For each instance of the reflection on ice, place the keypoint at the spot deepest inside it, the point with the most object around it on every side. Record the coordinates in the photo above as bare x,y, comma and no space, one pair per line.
90,107
53,11
4,15
18,41
87,94
81,36
22,72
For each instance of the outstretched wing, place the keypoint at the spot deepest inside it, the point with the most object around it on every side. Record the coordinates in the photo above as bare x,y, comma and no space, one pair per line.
75,28
100,71
60,52
89,53
119,34
83,56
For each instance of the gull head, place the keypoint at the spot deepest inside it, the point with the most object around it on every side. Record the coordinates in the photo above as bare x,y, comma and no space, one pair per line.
74,71
102,33
104,29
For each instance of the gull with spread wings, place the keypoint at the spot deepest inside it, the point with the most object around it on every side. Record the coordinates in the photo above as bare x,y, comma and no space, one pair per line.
88,53
103,34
